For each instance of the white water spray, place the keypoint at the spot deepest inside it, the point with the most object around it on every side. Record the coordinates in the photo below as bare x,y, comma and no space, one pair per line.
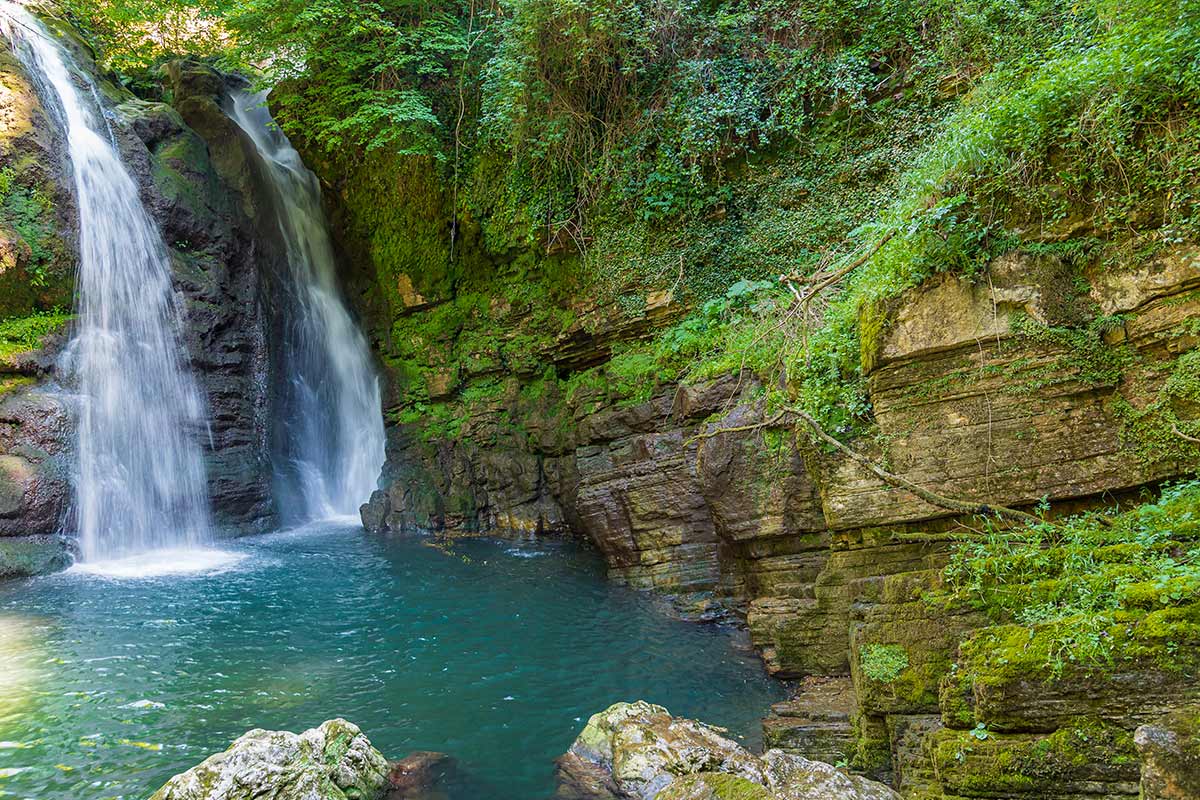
140,480
333,443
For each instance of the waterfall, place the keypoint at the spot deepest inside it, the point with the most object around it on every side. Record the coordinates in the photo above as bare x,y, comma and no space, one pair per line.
139,477
330,441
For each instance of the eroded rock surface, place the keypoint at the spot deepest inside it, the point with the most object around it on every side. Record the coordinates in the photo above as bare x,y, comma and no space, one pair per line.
334,761
1170,755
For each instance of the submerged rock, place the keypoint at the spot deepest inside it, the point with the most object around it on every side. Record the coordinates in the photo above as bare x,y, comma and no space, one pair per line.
35,555
334,761
638,750
417,773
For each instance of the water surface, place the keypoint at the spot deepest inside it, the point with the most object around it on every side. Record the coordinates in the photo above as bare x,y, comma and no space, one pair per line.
493,652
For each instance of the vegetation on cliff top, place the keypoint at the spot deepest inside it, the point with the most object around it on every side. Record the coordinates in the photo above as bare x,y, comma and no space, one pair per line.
693,147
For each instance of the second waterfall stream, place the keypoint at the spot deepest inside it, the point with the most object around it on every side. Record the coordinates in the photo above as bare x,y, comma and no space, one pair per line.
329,441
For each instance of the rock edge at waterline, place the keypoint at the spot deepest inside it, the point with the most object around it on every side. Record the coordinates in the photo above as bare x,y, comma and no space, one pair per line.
333,761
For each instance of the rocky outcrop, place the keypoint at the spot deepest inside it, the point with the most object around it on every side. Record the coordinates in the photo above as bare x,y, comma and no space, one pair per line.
638,750
37,273
186,160
334,761
35,473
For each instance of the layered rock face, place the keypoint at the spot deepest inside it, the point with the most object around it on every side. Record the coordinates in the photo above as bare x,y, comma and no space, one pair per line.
1020,388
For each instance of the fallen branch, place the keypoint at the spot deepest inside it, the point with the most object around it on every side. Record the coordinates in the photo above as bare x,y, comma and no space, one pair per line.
933,498
1175,430
824,281
941,501
846,270
766,423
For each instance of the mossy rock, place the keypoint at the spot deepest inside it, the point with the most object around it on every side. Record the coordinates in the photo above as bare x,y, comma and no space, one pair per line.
714,786
20,335
334,761
1074,759
1023,678
34,555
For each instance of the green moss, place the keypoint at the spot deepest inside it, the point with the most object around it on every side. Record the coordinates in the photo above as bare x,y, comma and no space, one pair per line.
13,383
1074,587
872,745
1152,429
717,785
22,334
981,762
36,269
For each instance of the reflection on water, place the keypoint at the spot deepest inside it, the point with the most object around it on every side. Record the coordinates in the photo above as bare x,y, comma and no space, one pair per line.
19,657
110,685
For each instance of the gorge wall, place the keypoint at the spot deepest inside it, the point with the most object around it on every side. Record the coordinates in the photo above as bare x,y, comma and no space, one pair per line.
980,393
522,401
1036,384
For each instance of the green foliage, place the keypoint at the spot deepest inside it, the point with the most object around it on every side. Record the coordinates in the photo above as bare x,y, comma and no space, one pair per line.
30,213
1079,577
21,334
1158,430
691,147
883,663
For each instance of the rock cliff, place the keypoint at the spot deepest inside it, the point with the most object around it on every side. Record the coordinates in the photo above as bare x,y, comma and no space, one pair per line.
1024,387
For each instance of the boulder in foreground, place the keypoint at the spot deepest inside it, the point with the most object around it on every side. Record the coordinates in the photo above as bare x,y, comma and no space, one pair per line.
638,750
334,761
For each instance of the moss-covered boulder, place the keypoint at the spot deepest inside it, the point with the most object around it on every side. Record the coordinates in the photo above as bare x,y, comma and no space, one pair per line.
714,786
639,750
334,761
35,555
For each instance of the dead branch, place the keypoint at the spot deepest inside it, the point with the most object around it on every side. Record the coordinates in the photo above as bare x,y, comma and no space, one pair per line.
941,501
766,423
824,280
933,498
853,265
1175,430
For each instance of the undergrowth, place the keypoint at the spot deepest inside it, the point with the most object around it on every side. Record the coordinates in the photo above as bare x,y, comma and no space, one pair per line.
21,334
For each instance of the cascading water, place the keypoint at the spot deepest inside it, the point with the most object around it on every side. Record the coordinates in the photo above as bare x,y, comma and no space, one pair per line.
330,445
140,478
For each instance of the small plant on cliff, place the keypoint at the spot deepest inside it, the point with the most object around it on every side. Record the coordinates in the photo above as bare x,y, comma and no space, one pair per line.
30,213
883,663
